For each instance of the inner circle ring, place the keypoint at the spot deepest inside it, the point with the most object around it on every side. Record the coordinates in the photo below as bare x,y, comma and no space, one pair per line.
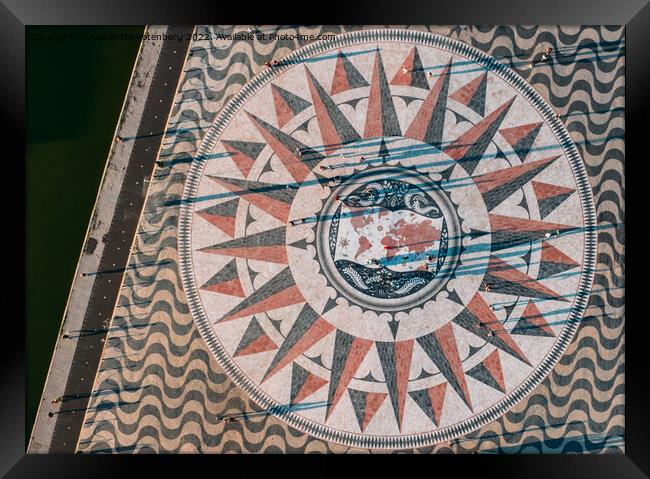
379,303
539,373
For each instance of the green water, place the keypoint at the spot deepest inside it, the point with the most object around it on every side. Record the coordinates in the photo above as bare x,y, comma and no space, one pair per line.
75,85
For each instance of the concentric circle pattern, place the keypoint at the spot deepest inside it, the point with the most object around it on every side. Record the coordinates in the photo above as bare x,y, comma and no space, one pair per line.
387,239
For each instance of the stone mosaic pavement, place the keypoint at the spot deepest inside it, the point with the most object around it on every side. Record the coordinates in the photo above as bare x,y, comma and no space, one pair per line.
387,241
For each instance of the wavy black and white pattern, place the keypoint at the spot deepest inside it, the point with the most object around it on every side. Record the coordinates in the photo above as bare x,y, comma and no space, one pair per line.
158,389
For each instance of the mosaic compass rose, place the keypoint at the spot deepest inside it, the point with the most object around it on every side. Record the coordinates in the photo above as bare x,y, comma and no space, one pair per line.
388,239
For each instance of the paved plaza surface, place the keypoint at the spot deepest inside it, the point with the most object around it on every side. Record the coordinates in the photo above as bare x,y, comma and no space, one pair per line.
386,239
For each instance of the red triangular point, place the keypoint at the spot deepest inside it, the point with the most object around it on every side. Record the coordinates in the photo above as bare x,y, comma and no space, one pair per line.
373,403
261,344
553,255
533,316
340,81
515,134
232,288
465,94
493,365
312,384
404,73
437,397
224,223
544,190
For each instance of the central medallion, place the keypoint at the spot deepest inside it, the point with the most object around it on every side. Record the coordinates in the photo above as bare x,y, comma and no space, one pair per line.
388,237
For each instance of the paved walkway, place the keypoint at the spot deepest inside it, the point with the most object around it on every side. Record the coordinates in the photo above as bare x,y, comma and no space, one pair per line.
80,345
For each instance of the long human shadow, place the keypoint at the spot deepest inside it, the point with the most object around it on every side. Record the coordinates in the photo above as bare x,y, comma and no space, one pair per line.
578,443
100,392
130,266
536,427
280,410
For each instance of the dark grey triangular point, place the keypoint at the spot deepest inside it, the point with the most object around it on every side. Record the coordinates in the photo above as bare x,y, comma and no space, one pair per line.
477,102
275,191
298,377
248,148
523,203
500,154
267,167
475,152
302,127
355,79
329,305
249,217
526,256
453,296
423,375
394,326
253,332
418,77
390,124
549,268
295,103
300,244
308,154
473,233
408,99
431,345
446,174
499,194
227,273
523,146
227,208
318,360
353,103
509,308
383,150
277,323
423,400
547,205
344,129
459,118
526,328
480,373
507,239
342,349
358,399
306,318
370,377
473,350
